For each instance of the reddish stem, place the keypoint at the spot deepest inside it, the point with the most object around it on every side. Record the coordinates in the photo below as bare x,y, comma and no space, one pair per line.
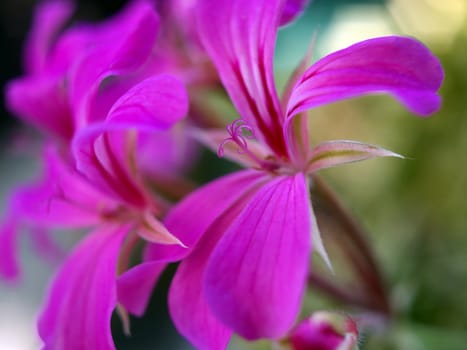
357,249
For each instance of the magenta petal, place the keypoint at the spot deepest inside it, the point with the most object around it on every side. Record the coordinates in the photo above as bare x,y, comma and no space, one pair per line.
134,287
42,102
83,295
256,275
399,66
190,218
167,154
316,332
49,17
292,9
45,245
188,307
103,151
136,29
155,103
240,37
62,198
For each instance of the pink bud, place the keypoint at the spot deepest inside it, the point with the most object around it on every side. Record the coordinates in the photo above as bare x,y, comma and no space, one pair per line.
324,331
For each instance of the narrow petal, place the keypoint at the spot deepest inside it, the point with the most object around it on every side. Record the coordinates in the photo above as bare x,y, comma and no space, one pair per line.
49,17
83,295
134,287
190,218
402,67
333,153
256,275
152,230
240,36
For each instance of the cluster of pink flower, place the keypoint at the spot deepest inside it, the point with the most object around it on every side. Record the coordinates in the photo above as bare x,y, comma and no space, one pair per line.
118,103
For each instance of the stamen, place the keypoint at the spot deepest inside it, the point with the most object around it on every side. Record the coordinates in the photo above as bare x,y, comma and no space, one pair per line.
240,132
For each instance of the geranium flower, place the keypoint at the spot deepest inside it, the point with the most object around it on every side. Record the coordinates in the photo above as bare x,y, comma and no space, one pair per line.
250,233
72,78
123,211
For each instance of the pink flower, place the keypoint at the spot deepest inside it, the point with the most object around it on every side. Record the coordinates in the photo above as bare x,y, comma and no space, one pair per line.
123,208
72,79
97,174
250,233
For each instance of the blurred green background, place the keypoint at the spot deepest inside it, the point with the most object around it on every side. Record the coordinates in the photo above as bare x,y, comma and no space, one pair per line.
414,210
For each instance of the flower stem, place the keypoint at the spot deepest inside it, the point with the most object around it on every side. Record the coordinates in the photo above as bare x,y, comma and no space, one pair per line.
355,246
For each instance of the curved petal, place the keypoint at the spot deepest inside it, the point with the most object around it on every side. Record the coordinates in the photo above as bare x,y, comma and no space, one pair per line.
155,103
105,152
256,275
240,36
396,65
189,310
190,218
49,17
134,287
83,295
136,27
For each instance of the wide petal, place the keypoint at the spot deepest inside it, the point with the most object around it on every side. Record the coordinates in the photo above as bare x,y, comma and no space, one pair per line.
190,218
256,275
400,66
240,36
83,295
189,310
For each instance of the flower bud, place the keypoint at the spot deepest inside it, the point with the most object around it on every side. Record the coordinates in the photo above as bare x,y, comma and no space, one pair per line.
325,331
